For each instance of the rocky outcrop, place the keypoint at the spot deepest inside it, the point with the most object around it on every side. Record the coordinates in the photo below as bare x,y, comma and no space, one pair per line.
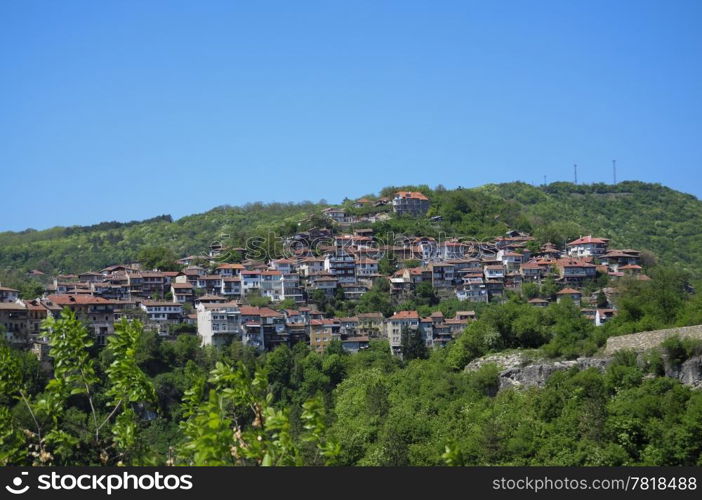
537,374
519,370
689,372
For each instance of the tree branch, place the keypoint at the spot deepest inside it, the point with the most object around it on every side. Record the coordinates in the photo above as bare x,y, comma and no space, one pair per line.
31,412
109,416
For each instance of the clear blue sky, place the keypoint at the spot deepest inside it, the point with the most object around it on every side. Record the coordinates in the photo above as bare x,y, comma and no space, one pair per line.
120,110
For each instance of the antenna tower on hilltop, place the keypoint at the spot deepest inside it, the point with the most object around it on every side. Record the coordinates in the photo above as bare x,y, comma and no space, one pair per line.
614,171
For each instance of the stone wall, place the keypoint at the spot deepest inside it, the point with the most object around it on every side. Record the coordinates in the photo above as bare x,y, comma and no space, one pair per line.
648,340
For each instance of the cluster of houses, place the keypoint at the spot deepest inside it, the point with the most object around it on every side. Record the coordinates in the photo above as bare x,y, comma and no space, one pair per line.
213,297
410,203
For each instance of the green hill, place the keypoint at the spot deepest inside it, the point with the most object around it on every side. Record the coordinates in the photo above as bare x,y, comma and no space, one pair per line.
638,215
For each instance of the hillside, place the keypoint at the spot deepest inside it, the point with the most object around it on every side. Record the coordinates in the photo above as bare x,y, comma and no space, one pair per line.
632,214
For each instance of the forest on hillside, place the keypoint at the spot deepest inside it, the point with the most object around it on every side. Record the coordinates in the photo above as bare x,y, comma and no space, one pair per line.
648,217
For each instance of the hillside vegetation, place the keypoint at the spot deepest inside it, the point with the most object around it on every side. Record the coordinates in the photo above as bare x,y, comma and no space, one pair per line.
637,215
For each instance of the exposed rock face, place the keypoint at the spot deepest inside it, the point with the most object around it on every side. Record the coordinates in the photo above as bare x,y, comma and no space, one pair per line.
517,370
537,374
689,373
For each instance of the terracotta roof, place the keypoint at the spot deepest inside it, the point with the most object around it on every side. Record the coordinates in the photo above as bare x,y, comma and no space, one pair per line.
538,301
230,266
181,285
411,194
267,312
65,300
405,315
5,289
588,239
574,263
568,291
249,311
618,253
153,274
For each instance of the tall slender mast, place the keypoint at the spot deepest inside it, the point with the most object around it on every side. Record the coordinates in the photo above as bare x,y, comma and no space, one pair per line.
614,171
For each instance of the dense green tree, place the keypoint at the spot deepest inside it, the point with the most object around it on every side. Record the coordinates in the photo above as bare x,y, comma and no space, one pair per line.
412,345
161,258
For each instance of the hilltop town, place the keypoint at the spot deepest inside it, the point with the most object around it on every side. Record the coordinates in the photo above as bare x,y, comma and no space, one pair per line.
224,295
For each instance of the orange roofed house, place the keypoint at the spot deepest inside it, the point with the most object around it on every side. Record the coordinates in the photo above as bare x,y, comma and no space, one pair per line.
97,312
587,246
410,203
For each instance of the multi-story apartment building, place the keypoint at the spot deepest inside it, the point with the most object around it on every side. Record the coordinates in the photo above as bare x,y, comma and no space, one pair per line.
410,203
395,324
161,315
96,312
218,324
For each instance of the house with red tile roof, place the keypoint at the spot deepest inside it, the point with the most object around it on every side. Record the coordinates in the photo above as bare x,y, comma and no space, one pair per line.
575,270
587,246
96,312
395,325
182,292
410,203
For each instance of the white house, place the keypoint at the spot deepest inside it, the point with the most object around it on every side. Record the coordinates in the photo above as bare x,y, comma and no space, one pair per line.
587,246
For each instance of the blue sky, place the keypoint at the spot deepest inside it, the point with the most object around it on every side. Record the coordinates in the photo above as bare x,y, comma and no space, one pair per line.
126,110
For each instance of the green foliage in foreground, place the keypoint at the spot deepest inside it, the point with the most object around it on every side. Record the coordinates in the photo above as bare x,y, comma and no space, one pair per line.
146,401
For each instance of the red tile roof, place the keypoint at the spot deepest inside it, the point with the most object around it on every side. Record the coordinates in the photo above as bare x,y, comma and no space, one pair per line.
66,300
405,315
181,285
411,194
267,312
588,239
230,266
